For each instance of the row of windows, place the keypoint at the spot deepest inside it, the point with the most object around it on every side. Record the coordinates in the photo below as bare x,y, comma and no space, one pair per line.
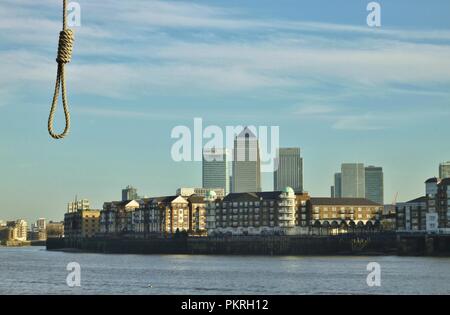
245,224
343,217
242,203
317,208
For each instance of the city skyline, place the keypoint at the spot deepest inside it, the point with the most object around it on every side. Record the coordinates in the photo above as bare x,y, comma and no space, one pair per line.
84,203
338,89
355,180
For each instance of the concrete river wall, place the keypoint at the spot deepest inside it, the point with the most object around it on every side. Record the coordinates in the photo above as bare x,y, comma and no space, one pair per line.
369,244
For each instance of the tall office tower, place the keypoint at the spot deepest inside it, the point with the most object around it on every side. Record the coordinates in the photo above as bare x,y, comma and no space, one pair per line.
332,193
246,163
444,170
129,193
353,180
289,170
337,185
215,169
374,184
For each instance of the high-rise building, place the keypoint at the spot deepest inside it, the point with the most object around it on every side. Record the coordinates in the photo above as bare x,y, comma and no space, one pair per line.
76,205
444,170
246,163
353,180
129,193
289,170
215,169
337,185
374,184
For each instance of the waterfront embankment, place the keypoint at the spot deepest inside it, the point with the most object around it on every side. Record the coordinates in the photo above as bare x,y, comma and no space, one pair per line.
365,244
14,243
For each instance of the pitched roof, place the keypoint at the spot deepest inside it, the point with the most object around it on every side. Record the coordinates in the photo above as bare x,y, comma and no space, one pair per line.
432,180
241,197
326,201
246,132
196,198
420,199
167,198
252,196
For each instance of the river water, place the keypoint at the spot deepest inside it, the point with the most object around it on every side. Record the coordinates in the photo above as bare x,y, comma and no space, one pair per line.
33,270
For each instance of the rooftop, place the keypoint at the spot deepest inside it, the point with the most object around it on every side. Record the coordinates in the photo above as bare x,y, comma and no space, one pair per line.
417,200
343,201
246,132
432,180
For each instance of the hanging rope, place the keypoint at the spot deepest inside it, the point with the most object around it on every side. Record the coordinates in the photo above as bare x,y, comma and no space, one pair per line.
65,47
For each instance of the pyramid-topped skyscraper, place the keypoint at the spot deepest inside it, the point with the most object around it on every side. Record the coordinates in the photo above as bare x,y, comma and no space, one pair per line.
246,163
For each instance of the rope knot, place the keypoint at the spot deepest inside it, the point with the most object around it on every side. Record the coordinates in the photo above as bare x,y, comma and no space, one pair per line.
65,46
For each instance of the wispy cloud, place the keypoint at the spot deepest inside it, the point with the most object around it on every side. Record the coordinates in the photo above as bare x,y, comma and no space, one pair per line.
117,113
132,50
367,121
351,118
314,110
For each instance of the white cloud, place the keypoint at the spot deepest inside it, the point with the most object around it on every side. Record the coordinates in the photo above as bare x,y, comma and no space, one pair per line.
367,121
126,49
314,110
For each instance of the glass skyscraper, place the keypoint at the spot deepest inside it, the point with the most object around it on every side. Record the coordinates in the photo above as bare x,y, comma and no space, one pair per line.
289,170
215,169
338,185
353,181
246,163
374,184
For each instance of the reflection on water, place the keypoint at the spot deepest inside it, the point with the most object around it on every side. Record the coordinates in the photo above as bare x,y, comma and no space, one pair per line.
33,270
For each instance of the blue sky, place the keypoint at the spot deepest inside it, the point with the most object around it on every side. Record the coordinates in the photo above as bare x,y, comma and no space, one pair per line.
340,90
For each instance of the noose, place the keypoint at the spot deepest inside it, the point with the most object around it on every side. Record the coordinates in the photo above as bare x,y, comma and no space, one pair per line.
65,46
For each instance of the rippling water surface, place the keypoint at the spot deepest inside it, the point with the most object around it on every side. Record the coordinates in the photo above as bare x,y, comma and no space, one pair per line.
33,270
